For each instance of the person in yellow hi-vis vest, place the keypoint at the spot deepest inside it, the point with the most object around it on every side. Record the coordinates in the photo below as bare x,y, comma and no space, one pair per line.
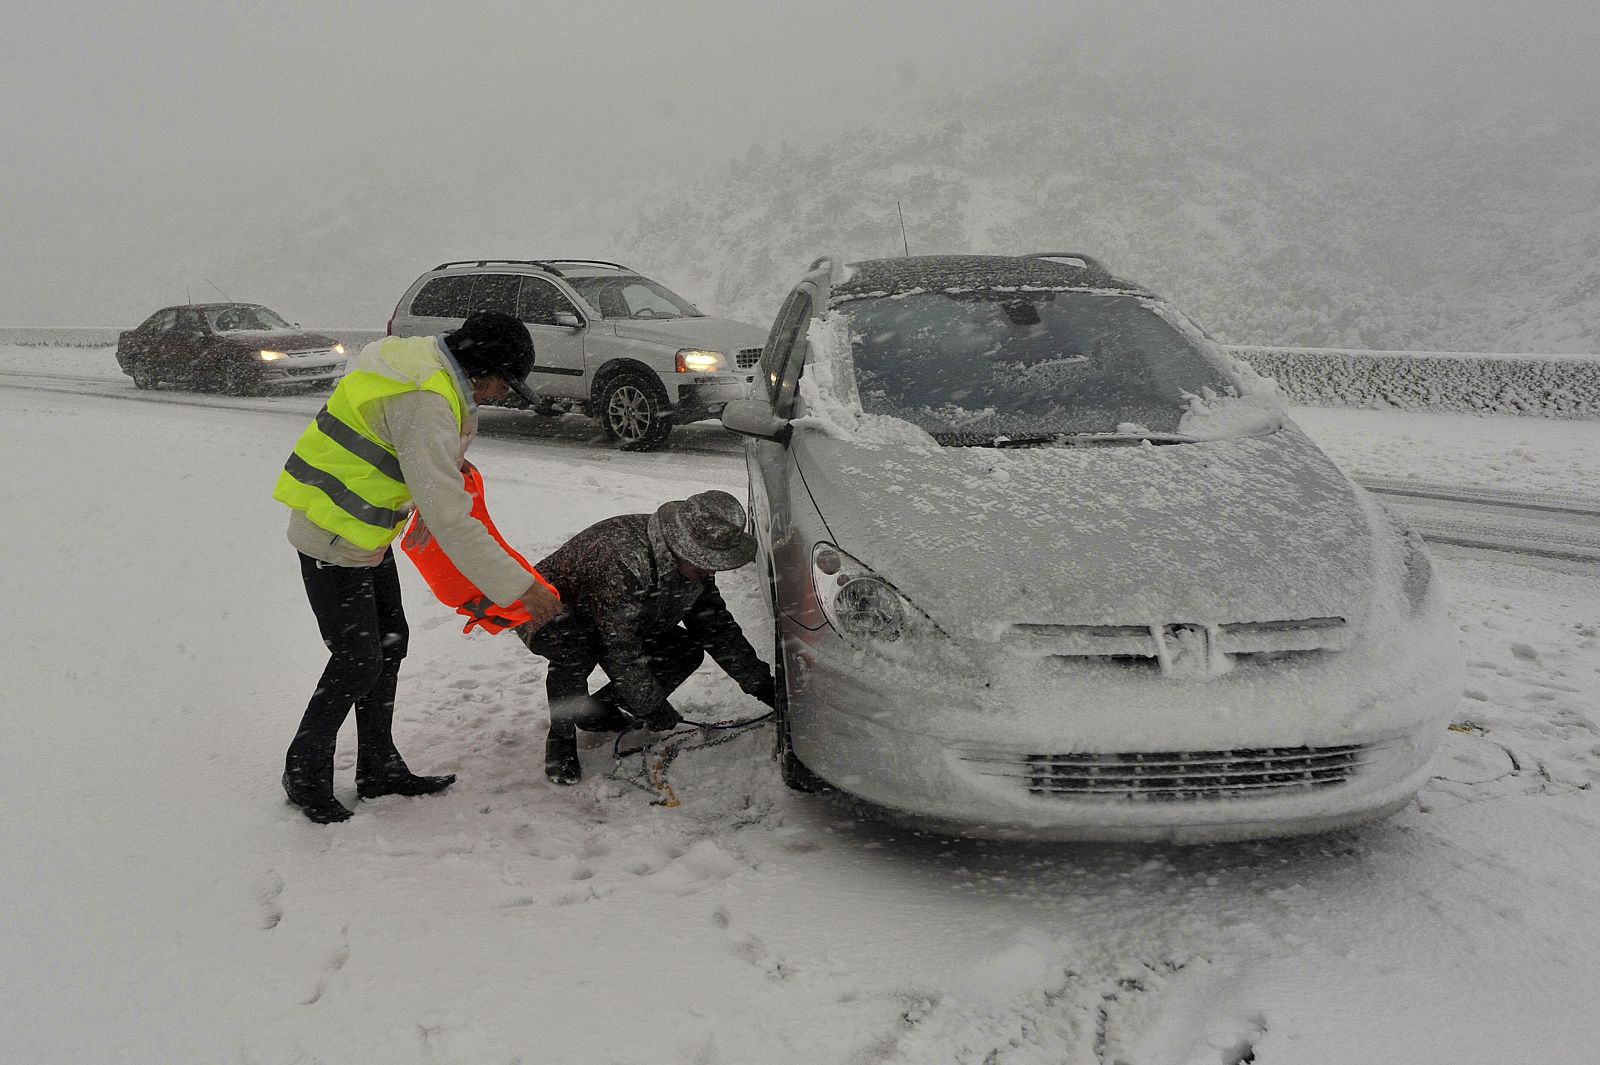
392,437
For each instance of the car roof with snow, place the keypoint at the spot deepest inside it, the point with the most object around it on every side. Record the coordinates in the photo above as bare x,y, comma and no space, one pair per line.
878,277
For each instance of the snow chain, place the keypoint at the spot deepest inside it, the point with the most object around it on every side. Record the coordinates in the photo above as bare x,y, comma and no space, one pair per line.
652,778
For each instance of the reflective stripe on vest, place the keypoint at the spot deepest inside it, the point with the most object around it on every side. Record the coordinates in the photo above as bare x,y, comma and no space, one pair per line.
342,474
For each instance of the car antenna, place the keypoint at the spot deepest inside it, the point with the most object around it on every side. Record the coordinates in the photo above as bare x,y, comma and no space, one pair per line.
224,295
903,242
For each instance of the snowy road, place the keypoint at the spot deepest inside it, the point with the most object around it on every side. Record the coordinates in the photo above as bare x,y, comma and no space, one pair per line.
162,905
1553,525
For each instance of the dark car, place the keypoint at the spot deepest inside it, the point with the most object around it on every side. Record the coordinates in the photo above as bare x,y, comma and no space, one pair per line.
238,348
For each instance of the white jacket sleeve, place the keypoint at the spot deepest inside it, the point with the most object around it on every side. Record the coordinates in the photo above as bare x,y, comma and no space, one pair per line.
423,431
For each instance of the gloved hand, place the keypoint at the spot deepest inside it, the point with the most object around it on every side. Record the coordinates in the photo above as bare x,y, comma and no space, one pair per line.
766,690
664,719
542,604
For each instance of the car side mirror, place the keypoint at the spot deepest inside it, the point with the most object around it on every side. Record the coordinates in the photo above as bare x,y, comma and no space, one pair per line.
752,417
568,319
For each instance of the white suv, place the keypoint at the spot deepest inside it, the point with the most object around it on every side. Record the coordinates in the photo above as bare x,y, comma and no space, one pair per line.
608,342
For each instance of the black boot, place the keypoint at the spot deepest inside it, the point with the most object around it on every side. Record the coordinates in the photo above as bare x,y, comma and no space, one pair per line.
561,757
313,793
392,777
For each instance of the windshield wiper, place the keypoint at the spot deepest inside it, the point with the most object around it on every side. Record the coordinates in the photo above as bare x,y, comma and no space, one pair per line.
1057,439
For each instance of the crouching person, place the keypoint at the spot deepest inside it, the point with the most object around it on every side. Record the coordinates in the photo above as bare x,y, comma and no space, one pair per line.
642,604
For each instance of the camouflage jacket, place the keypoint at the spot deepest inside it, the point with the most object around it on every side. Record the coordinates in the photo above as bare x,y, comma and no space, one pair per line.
619,576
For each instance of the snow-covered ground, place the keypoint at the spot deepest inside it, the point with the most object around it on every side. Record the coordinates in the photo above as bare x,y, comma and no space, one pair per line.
161,904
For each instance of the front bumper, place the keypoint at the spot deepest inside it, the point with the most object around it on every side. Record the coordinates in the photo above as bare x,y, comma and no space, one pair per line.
303,370
703,396
980,759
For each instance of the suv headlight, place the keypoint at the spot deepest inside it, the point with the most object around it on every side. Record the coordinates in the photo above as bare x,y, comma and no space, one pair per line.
698,360
858,603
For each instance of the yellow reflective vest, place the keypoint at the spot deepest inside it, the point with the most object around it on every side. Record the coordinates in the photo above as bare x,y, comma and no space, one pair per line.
343,474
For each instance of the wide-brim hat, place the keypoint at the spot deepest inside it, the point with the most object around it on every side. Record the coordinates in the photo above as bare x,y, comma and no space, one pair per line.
707,531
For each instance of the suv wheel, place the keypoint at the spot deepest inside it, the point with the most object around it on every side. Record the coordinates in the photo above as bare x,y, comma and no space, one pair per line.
143,376
633,412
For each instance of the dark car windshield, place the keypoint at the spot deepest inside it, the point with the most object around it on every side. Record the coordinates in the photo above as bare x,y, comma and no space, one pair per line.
244,317
632,296
968,367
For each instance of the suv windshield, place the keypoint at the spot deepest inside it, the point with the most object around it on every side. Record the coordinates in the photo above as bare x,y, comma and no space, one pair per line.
968,367
241,318
631,296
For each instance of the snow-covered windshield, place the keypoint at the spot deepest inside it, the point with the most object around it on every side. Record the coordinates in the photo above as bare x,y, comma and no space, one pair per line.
632,296
243,318
970,366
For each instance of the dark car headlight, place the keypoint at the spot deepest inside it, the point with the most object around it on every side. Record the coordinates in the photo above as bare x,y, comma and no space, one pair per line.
858,603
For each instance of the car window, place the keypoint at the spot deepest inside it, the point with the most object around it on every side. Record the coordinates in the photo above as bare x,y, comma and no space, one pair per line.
443,297
541,301
1014,363
161,321
780,340
244,317
496,292
790,357
632,296
190,322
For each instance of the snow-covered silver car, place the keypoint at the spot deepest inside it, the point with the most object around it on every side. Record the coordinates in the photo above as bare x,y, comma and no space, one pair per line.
1045,561
609,342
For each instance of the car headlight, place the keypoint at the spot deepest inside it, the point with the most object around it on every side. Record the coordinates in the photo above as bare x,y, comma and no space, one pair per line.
272,356
698,360
858,603
338,349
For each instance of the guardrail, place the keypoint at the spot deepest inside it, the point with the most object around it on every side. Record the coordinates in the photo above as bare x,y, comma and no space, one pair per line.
1552,386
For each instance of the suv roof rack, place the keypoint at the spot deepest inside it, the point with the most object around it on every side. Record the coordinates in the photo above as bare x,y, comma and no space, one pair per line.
592,262
540,263
547,265
1088,260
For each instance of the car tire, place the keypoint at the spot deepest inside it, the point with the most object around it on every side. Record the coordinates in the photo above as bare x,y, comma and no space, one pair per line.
633,411
143,376
794,773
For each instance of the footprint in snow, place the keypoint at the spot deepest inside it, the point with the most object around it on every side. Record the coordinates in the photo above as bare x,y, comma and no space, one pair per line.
336,962
271,911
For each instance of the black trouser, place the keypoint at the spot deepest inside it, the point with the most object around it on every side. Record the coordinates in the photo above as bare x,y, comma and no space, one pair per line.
363,624
574,648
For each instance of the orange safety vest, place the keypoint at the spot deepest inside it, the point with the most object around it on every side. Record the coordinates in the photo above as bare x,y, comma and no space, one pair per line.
449,584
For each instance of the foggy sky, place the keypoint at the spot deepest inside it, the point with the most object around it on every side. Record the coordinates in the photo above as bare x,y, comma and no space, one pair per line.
134,136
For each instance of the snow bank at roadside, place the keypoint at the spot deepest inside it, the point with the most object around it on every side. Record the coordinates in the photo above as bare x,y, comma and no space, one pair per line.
1553,386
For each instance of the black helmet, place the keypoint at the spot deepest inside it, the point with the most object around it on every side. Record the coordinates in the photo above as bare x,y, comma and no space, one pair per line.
494,344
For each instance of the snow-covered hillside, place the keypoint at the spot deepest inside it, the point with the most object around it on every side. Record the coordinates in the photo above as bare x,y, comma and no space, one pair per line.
1423,228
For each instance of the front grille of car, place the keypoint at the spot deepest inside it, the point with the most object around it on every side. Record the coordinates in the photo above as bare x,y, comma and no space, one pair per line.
747,357
1177,776
1183,648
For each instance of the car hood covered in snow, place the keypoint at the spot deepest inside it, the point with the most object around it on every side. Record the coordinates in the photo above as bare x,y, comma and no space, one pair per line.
713,334
1263,528
278,339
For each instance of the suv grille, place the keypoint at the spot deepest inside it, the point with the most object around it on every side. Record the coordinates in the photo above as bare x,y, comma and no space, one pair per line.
1178,776
748,357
